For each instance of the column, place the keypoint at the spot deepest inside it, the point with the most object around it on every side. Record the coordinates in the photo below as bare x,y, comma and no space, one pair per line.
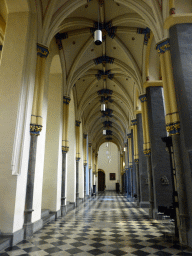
77,130
144,191
90,167
136,158
172,121
162,185
130,163
35,129
85,162
65,149
147,150
122,186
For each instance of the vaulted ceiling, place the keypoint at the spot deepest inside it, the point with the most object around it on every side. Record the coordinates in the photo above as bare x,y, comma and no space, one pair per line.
110,72
118,68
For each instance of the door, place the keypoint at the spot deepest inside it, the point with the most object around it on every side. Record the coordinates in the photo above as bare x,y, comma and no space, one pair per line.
101,181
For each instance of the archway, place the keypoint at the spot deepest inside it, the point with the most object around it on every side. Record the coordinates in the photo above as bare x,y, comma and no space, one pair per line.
101,180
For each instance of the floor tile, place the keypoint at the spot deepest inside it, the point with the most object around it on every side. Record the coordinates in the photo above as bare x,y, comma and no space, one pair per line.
106,225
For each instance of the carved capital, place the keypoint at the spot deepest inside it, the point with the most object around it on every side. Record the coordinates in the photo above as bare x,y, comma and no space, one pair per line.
42,51
35,129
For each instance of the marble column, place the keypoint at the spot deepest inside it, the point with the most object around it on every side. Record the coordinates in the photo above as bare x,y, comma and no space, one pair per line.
77,179
90,190
63,210
85,177
144,191
65,149
147,150
162,186
173,85
28,227
85,163
90,166
150,184
137,179
35,129
77,129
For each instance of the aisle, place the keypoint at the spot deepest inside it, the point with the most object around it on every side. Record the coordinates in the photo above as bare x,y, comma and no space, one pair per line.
105,225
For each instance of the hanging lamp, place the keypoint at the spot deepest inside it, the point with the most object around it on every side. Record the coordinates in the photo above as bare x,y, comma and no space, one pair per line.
98,32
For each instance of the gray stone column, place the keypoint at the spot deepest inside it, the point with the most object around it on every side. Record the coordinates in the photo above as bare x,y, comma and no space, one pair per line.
63,208
131,180
127,187
77,178
85,172
183,209
144,192
28,226
162,186
137,180
181,52
150,185
89,182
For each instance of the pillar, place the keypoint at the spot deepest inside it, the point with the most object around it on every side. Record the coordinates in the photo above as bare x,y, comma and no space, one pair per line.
130,164
35,129
85,162
65,149
172,121
162,190
147,150
136,158
90,167
144,191
122,186
77,130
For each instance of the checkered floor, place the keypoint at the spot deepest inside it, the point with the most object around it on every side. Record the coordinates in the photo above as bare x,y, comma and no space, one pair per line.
105,225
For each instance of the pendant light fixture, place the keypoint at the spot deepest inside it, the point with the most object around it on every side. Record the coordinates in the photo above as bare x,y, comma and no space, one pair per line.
103,107
98,32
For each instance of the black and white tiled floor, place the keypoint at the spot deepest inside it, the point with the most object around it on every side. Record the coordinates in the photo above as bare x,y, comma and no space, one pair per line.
105,225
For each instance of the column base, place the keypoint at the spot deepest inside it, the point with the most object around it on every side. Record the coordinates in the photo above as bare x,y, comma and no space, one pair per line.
63,210
28,230
78,201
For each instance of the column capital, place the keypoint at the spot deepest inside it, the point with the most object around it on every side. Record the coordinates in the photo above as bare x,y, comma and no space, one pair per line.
35,129
77,123
163,46
129,135
143,98
90,145
147,152
66,99
173,128
134,122
42,51
84,136
136,160
65,149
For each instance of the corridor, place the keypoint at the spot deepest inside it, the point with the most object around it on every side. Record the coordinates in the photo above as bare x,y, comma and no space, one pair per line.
104,225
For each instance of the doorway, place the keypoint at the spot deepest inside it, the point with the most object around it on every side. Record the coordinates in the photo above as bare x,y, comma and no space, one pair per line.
101,180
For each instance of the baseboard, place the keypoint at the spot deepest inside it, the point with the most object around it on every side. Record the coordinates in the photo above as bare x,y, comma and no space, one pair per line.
37,225
57,213
144,204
